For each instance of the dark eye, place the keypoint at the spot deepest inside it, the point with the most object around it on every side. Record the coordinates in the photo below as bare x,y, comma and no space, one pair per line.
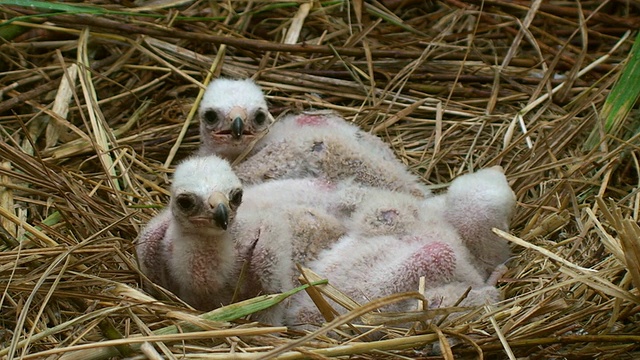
210,117
186,202
260,118
235,197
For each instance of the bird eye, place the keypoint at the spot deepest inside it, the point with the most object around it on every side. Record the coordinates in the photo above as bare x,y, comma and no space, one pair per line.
260,118
186,202
235,197
210,117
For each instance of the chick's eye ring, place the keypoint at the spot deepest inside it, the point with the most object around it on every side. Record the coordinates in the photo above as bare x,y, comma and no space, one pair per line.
186,202
260,118
235,197
210,117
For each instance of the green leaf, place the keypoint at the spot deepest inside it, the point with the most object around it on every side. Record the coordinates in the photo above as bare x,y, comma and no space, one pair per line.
621,99
52,6
239,309
10,32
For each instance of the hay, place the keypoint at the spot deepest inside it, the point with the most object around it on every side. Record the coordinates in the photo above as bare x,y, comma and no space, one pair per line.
96,107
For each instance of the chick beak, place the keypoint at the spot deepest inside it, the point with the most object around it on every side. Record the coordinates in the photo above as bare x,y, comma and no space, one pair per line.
238,116
220,208
237,126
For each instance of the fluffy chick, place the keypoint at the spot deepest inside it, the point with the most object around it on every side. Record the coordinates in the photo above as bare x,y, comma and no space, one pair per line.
474,204
284,222
232,113
369,268
325,145
212,230
187,247
395,239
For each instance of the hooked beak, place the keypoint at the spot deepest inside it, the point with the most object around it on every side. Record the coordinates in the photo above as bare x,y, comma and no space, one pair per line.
238,116
220,206
237,126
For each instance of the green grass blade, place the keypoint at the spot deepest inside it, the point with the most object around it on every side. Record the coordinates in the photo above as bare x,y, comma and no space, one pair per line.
239,309
621,99
10,32
52,6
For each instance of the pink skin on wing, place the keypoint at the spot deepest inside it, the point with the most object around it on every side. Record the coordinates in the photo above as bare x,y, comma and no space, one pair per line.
435,261
151,253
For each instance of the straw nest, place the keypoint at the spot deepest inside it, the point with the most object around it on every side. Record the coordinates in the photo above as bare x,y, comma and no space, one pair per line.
96,106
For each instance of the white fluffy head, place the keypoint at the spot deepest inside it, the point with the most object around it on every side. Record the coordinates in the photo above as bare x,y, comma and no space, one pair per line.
203,175
487,191
232,113
224,94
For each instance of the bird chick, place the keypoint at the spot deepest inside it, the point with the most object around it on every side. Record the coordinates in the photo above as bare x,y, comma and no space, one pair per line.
232,113
280,224
214,229
370,268
395,239
187,248
325,145
474,204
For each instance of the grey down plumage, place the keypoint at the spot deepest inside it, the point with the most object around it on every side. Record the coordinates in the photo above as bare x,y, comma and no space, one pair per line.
213,227
395,239
310,144
370,241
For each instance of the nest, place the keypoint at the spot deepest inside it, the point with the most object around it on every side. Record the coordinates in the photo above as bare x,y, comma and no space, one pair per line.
97,106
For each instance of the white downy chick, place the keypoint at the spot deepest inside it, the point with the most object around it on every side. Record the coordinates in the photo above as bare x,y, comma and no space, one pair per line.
187,248
198,247
474,204
232,113
325,145
395,238
370,268
282,223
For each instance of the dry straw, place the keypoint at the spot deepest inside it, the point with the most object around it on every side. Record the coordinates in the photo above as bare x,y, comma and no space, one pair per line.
96,107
